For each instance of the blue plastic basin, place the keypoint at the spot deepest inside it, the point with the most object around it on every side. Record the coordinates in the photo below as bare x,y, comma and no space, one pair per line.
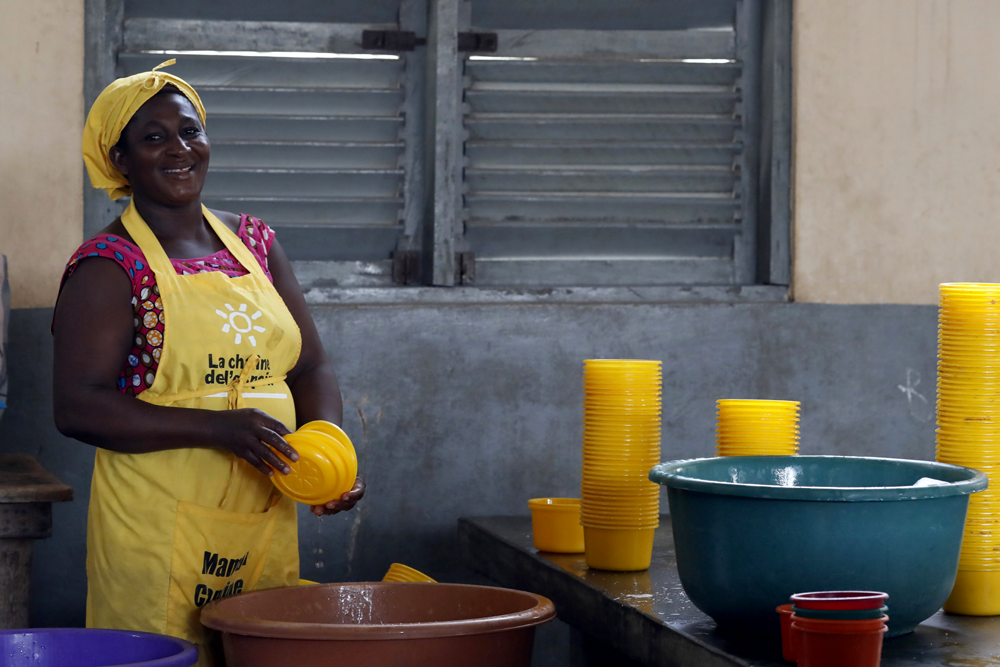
751,531
78,647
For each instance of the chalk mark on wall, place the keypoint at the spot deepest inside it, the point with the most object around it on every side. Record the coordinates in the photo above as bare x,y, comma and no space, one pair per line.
920,409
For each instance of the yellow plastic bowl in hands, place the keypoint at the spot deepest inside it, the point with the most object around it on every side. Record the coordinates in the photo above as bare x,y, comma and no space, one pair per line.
338,435
327,465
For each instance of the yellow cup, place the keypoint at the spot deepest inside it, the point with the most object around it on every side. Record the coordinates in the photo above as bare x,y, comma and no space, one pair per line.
618,488
781,451
637,364
649,506
403,573
619,550
626,461
555,525
752,438
600,512
643,501
620,523
608,511
968,289
976,593
614,375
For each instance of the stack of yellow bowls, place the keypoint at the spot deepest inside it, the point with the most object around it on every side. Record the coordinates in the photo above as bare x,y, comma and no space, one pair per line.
399,573
327,465
968,434
747,427
619,506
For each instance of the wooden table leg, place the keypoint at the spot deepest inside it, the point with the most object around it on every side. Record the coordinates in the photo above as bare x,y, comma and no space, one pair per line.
15,582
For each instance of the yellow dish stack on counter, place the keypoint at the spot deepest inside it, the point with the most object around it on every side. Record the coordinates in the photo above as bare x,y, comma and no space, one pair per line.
746,427
619,506
968,434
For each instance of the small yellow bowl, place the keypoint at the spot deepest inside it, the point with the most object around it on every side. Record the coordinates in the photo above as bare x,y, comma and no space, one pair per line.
555,525
327,465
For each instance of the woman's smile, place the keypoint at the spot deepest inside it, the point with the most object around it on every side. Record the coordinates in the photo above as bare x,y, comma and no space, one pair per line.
182,173
165,151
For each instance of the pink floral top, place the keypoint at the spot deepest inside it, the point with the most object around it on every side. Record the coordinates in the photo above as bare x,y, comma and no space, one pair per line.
140,366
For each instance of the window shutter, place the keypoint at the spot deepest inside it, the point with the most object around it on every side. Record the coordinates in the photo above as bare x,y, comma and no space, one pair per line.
604,158
314,146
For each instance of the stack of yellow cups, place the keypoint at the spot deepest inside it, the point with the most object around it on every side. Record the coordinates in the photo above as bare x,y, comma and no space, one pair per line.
968,434
757,428
619,506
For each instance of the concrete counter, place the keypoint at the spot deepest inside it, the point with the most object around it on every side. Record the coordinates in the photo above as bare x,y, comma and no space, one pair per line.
647,616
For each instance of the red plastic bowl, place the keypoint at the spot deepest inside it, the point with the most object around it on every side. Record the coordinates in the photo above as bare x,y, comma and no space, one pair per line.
852,600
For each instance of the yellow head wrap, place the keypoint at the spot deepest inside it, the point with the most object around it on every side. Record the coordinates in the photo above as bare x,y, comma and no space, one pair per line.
112,111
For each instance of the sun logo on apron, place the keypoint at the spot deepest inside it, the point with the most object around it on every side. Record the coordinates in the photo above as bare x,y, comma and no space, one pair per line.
242,323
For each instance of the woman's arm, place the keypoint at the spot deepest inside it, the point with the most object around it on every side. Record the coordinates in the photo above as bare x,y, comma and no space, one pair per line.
93,335
312,381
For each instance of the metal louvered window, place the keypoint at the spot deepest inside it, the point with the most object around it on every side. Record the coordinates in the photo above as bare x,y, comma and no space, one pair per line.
597,150
314,144
605,145
609,169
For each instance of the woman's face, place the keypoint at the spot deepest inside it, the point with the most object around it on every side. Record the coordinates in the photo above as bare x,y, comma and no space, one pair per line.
167,153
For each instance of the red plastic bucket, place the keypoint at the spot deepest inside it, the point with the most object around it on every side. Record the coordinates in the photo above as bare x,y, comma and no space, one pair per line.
823,643
840,600
788,638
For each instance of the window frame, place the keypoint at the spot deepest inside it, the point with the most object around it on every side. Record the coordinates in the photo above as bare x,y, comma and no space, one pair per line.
433,169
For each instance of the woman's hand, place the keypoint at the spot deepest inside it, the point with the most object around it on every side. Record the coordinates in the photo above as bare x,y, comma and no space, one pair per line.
346,502
253,435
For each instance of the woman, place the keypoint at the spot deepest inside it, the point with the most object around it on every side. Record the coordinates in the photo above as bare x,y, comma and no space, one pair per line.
177,357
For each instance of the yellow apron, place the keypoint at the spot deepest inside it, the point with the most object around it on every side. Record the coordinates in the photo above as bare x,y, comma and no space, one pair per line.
170,531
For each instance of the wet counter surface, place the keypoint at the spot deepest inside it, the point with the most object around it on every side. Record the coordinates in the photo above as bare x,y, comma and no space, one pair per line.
647,616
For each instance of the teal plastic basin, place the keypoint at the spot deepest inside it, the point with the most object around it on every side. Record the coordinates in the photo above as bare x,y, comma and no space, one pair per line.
750,531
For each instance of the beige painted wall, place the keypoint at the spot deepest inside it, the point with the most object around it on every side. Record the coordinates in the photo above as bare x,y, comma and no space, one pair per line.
897,154
41,172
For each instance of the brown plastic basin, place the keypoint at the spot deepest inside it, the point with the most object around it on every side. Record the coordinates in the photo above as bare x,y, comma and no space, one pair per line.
385,624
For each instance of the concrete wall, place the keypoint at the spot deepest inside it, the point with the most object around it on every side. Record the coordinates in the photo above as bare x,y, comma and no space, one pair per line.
473,410
896,173
41,108
894,151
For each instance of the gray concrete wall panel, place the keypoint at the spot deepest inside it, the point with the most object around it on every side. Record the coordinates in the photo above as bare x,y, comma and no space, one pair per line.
464,410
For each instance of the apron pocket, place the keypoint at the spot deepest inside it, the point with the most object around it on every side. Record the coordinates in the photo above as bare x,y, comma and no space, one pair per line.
216,554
